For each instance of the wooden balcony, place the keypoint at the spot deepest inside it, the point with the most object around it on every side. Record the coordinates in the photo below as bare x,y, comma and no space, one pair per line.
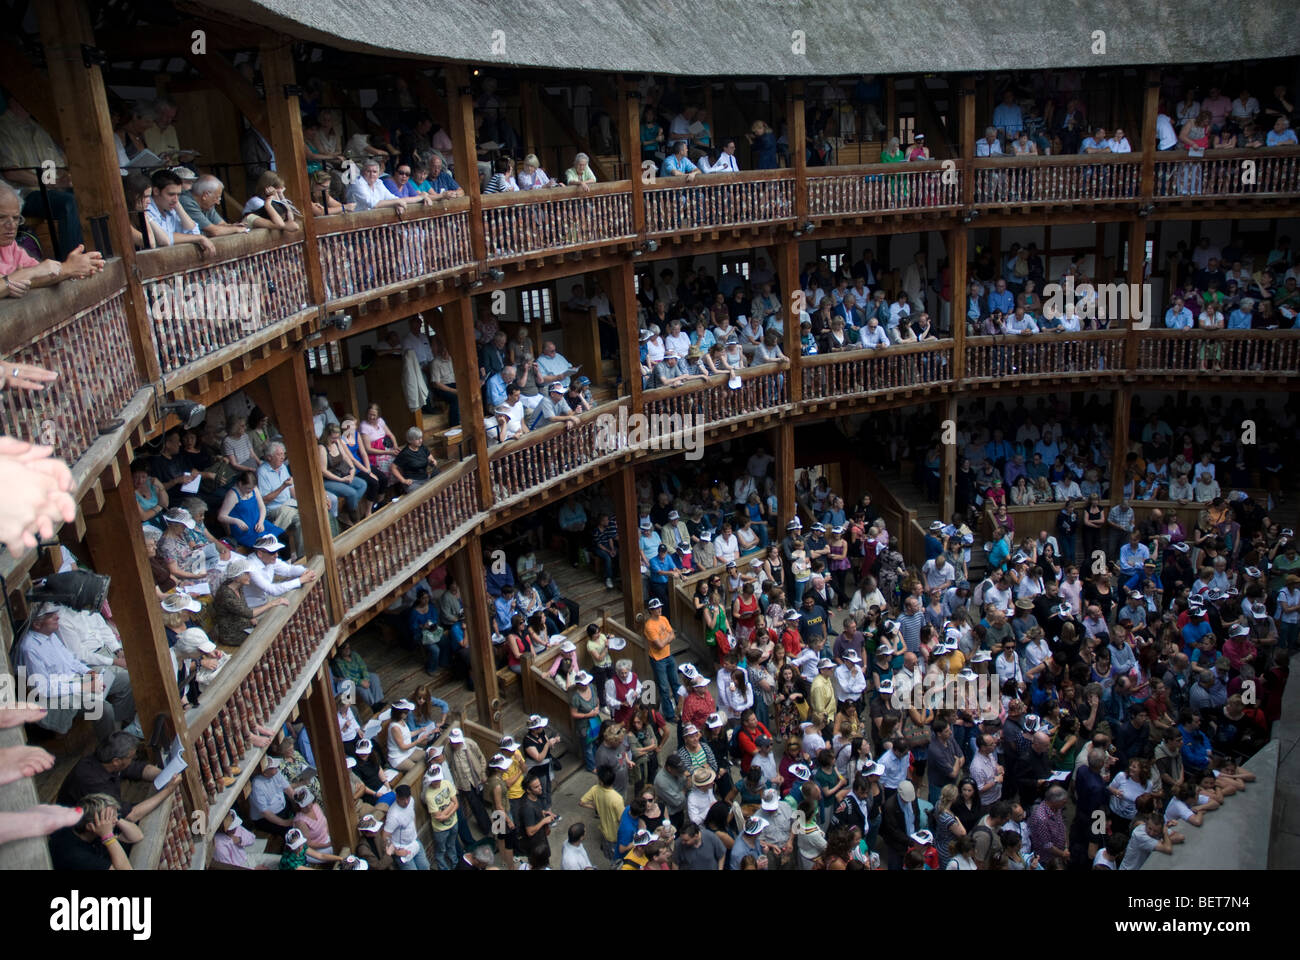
906,370
1092,357
1220,175
717,202
557,221
877,189
1099,180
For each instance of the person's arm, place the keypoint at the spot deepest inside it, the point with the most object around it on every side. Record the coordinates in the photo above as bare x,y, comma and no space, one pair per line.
226,506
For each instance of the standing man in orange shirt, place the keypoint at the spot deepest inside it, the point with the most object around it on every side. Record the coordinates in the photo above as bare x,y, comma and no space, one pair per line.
659,640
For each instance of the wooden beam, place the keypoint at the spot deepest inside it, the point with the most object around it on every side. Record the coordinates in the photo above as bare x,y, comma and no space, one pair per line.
87,131
796,117
948,470
1149,141
115,539
956,241
783,450
469,391
290,399
622,298
221,73
284,119
1121,397
630,141
321,717
461,129
787,271
966,139
622,491
28,84
467,570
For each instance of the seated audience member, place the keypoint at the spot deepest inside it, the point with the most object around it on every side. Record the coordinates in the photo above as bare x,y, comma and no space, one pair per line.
414,466
244,513
20,272
103,771
233,843
24,149
233,618
443,184
340,473
275,485
270,576
95,842
201,203
348,665
368,193
167,220
68,686
269,798
580,174
269,209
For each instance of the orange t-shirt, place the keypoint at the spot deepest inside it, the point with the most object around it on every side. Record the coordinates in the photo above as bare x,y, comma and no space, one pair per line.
658,631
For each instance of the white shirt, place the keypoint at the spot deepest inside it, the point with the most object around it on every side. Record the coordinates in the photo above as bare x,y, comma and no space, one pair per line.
679,344
88,636
849,684
52,670
400,825
263,584
725,548
367,197
575,857
349,728
1167,138
726,163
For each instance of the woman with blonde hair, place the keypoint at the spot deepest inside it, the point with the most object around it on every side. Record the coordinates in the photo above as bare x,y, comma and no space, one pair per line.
946,825
269,209
531,176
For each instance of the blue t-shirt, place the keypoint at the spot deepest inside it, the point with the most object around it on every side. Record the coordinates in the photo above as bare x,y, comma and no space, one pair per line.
444,182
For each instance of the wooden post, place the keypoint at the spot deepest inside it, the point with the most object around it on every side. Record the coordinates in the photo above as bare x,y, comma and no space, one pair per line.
460,99
1137,244
948,471
966,143
630,137
1150,111
320,714
783,450
116,542
469,390
285,122
956,243
1119,428
530,117
87,133
891,110
291,401
622,298
796,118
622,490
467,569
787,269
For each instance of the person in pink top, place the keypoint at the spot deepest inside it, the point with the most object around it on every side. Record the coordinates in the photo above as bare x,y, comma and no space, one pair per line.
21,271
1218,106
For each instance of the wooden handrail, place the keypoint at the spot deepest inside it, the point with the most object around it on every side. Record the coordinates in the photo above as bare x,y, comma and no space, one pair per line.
534,437
867,169
360,220
521,198
1062,160
858,353
359,533
242,662
714,380
1179,153
713,179
182,257
25,320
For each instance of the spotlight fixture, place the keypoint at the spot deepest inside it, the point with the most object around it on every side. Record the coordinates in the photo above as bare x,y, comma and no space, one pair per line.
497,274
1147,210
809,227
651,246
191,414
340,320
970,215
78,589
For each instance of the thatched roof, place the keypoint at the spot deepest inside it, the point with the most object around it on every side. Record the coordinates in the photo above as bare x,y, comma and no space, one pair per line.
757,37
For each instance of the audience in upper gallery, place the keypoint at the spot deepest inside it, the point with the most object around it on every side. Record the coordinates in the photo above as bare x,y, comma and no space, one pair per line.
19,270
25,149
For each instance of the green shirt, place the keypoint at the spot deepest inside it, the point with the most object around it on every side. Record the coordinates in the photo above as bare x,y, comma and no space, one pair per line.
353,668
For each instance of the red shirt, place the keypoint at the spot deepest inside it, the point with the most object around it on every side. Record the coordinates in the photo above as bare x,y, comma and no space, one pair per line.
792,642
747,745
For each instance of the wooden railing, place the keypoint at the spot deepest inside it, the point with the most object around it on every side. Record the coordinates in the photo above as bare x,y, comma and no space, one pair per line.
404,535
543,456
884,188
1095,178
719,200
1267,172
1275,353
856,373
199,308
79,330
251,688
361,253
1056,355
177,841
674,410
556,220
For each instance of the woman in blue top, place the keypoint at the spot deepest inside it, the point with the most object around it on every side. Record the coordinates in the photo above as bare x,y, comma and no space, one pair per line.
244,513
1001,548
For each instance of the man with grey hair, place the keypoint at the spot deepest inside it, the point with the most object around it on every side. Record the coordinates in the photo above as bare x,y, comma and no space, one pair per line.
68,687
201,202
22,271
1047,826
113,761
368,193
275,484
